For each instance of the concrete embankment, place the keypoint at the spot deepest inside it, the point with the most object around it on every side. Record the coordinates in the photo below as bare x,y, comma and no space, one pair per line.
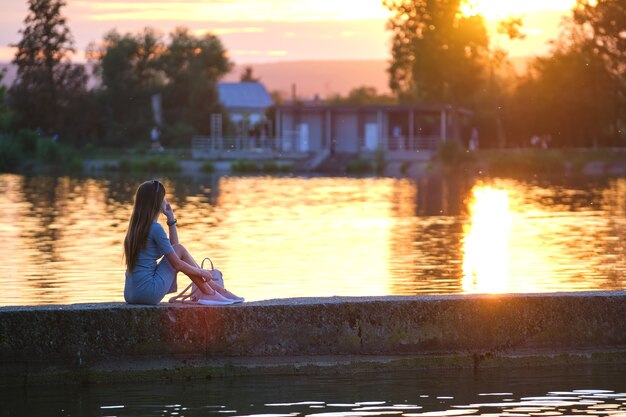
113,341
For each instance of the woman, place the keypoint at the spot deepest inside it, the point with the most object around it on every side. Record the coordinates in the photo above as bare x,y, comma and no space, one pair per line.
147,281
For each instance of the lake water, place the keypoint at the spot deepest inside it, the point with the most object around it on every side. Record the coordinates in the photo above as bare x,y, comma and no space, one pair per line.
276,237
530,392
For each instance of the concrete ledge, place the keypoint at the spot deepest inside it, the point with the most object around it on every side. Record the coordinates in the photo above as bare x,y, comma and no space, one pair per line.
292,335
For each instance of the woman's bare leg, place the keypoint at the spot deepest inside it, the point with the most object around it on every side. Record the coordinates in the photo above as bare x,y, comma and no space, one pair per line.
186,256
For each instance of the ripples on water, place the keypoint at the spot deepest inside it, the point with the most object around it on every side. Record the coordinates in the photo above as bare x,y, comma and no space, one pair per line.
291,237
512,393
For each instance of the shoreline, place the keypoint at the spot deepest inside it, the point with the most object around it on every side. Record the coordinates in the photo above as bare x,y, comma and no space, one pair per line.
115,341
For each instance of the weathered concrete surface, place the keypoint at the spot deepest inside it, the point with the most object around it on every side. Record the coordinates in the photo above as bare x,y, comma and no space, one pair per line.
452,330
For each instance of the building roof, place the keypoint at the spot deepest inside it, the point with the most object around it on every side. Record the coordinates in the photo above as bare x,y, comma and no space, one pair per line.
244,96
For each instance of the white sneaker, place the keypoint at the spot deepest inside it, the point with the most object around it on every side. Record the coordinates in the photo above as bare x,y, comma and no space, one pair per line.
214,300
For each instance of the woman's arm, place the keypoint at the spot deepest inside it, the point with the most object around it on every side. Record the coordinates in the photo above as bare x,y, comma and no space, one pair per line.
197,275
171,222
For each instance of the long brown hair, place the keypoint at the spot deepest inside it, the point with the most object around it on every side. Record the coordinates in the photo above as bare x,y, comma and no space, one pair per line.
148,202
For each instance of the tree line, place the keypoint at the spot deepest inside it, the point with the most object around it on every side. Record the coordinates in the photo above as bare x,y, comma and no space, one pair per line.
575,96
52,95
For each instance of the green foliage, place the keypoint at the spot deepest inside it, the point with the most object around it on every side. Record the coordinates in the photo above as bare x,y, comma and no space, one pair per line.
525,162
128,68
247,76
438,54
404,167
244,166
359,166
604,22
47,82
192,65
450,153
57,155
134,67
577,94
28,140
153,164
179,134
5,111
27,146
10,154
362,96
208,167
380,162
273,167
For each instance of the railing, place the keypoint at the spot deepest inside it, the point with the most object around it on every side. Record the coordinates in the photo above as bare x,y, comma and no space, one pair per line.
208,144
222,147
412,144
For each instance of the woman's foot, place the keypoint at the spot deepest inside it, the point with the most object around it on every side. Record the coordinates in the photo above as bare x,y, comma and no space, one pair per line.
214,299
232,297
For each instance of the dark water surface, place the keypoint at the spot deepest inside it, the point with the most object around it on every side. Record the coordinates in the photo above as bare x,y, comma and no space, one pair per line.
276,237
549,391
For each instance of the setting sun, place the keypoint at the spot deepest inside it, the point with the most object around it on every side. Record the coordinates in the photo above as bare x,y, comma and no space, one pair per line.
497,9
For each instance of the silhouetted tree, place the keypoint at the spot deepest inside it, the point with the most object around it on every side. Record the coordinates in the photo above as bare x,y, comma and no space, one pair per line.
133,67
247,76
363,95
438,54
5,111
576,94
192,66
47,81
128,68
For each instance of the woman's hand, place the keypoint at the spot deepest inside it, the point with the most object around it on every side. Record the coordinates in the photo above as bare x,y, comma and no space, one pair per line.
206,274
167,210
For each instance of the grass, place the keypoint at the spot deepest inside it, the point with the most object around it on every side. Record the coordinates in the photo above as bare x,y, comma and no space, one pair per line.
151,164
245,166
27,149
360,166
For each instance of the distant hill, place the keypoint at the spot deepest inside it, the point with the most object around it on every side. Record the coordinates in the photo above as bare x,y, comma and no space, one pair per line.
9,76
322,78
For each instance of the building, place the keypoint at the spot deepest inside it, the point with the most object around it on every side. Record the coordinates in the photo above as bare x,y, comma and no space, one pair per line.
246,104
400,131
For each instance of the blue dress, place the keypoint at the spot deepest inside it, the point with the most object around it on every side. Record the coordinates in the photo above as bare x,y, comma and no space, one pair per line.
150,280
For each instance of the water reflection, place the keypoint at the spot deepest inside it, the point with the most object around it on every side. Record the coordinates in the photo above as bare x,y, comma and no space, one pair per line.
286,237
486,251
552,391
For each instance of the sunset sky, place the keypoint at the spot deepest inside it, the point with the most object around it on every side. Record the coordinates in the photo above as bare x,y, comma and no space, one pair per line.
276,30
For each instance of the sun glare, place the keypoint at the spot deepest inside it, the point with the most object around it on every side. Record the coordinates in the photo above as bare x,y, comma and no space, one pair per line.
486,251
498,9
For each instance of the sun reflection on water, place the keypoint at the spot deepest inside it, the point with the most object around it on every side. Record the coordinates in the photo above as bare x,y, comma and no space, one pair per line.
486,251
294,237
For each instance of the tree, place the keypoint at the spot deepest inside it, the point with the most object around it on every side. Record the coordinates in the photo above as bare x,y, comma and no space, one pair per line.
129,69
134,67
46,81
606,20
247,76
5,112
438,54
192,67
363,95
576,94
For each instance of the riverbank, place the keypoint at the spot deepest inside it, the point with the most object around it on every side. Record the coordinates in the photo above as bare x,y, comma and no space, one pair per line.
39,155
507,163
116,341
